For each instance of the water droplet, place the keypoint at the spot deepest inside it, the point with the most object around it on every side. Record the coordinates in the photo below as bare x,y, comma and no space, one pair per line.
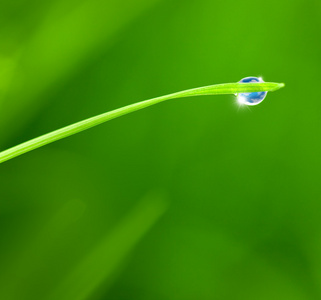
251,98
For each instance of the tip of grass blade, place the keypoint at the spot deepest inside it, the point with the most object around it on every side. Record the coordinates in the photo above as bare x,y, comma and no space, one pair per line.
278,86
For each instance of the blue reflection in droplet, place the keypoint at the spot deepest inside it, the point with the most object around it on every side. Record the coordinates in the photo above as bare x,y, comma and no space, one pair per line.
251,98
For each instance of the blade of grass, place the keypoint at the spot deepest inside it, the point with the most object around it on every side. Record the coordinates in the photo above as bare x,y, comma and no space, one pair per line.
218,89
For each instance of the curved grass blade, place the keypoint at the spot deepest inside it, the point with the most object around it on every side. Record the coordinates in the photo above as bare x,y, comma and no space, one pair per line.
218,89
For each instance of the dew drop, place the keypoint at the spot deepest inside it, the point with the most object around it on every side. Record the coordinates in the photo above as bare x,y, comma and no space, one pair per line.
251,98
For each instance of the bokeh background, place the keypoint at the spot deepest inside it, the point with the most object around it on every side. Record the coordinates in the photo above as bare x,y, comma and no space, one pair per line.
194,198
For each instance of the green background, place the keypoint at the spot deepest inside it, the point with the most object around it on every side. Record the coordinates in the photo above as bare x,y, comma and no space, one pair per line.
194,198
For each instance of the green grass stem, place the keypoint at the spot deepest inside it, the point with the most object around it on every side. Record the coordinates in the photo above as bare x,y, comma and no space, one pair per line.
218,89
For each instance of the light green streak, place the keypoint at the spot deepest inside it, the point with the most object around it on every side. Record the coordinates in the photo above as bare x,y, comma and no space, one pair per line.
106,258
26,269
218,89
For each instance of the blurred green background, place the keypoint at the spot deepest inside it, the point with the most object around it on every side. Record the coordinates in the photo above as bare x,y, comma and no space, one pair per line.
191,199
